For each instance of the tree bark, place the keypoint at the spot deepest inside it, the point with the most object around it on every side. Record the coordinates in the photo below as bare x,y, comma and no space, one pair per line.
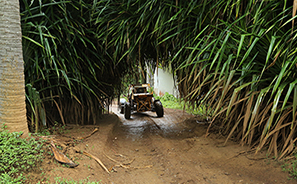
12,82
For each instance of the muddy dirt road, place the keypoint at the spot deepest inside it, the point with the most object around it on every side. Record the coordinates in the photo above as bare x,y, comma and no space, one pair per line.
172,149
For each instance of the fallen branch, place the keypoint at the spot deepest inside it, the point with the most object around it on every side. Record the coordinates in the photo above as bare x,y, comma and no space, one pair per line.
60,157
95,158
261,158
241,153
80,138
125,165
129,167
118,161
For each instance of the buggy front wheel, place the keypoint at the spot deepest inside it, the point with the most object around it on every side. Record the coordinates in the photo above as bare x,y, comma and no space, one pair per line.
159,108
127,110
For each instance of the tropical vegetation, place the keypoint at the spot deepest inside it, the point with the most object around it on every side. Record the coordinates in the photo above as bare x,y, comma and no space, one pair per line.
236,58
17,156
171,102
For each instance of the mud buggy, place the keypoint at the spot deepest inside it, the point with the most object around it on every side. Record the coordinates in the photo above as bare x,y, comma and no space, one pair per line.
140,100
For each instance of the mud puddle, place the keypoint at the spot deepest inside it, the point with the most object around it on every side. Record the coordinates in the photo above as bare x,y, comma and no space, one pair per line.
173,126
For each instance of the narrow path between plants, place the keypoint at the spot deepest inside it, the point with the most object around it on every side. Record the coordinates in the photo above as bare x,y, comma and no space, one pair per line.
147,149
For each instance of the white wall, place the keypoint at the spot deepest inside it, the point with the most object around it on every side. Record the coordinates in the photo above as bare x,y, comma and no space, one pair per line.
162,82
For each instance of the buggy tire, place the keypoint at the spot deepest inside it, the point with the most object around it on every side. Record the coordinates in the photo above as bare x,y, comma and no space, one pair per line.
127,110
121,105
159,108
122,108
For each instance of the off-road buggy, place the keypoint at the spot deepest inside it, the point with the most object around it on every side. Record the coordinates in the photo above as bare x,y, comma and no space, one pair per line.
140,100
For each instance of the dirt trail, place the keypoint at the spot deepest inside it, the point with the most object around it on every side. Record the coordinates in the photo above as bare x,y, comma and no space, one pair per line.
172,149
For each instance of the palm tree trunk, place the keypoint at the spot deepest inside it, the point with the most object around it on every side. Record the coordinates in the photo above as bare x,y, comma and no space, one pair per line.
12,87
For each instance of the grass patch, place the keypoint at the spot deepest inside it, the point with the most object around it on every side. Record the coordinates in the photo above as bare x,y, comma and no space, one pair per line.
17,155
290,166
169,101
59,180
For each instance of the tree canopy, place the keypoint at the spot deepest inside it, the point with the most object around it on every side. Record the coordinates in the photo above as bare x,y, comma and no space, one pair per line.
235,57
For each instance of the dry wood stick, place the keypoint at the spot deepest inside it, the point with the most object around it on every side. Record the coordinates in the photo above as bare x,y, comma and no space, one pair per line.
95,130
97,159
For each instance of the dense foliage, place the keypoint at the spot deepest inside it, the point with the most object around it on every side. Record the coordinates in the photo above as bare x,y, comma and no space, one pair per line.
67,68
237,58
